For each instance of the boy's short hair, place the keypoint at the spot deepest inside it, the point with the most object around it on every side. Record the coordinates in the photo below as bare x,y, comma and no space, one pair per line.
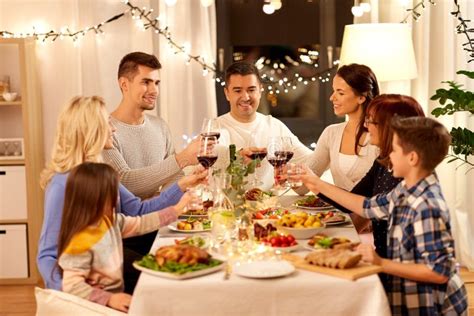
128,66
426,136
242,68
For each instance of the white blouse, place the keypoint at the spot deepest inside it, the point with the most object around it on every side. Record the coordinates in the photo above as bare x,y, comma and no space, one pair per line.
326,155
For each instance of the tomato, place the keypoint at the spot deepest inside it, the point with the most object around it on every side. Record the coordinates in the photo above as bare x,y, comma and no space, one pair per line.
283,240
291,238
273,216
284,245
274,242
259,215
293,243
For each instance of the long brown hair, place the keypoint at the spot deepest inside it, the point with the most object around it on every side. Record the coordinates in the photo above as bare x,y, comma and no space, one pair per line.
381,110
91,190
363,82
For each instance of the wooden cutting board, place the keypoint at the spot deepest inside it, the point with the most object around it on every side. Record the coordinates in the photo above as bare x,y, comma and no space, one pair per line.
359,271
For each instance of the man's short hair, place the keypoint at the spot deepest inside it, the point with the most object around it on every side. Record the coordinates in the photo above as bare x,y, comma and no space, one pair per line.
129,64
242,68
426,136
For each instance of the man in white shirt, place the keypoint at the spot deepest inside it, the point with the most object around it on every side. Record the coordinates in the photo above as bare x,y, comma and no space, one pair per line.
243,126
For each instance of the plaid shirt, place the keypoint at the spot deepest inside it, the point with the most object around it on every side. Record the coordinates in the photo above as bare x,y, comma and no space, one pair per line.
419,232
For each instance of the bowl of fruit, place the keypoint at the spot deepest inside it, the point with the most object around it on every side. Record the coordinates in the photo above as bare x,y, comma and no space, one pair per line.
301,225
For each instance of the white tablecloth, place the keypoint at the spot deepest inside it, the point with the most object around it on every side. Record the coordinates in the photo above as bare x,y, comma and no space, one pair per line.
302,293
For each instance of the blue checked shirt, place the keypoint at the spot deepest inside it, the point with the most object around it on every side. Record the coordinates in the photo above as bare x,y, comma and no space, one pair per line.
419,232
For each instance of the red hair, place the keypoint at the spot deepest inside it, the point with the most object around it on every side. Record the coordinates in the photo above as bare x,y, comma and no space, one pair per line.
381,110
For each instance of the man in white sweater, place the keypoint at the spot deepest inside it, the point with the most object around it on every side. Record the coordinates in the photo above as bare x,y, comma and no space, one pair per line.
243,126
143,152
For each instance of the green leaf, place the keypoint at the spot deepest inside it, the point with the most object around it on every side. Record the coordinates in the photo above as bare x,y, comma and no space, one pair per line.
469,74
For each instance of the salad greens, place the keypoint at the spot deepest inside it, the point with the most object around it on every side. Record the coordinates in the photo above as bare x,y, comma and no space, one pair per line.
149,262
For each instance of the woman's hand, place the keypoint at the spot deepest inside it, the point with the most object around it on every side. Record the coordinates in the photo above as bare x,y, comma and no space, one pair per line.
182,203
368,254
120,301
198,176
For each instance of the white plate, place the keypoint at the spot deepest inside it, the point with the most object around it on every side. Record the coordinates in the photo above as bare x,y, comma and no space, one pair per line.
287,249
264,269
315,208
175,276
173,227
346,220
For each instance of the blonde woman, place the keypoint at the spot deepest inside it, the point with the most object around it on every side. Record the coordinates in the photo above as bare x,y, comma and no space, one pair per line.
83,131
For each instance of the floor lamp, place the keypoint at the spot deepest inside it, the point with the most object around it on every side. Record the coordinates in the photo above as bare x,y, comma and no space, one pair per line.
387,48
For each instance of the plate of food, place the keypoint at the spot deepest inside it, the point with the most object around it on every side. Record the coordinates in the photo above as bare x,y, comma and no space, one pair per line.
264,269
269,213
191,225
195,240
278,241
321,241
199,213
300,224
312,202
179,262
332,218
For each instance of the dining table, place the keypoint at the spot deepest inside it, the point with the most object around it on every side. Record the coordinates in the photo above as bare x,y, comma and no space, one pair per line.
300,293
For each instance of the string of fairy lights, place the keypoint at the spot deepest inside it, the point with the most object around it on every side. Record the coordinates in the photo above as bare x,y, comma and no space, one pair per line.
145,20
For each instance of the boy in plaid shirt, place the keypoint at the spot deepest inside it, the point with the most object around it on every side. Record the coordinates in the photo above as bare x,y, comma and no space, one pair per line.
422,279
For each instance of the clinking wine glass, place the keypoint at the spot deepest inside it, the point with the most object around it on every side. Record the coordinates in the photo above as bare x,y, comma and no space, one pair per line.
288,151
258,154
276,156
207,154
211,128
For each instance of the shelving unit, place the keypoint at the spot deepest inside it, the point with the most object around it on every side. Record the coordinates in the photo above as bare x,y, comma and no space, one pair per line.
21,198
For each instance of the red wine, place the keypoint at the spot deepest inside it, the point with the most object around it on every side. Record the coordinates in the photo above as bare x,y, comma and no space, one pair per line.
258,155
284,153
211,134
276,162
207,161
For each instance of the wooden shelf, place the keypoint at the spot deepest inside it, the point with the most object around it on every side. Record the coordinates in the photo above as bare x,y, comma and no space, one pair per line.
5,103
14,221
12,162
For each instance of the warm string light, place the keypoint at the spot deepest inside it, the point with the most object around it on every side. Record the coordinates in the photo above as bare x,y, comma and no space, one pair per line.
415,12
145,21
463,28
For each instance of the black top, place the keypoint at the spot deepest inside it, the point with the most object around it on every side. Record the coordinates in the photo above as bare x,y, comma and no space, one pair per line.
377,180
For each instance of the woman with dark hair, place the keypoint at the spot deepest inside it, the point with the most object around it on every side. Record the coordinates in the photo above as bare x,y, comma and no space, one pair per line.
345,148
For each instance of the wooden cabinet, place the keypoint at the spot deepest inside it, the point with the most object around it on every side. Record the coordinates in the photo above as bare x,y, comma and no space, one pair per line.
21,198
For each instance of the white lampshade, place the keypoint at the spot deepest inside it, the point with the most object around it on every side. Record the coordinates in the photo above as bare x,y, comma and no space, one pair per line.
387,48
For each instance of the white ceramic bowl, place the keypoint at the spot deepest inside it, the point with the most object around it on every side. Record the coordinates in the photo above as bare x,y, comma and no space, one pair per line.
301,233
9,96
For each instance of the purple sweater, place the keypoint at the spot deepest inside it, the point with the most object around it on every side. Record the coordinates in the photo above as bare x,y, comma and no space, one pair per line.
53,206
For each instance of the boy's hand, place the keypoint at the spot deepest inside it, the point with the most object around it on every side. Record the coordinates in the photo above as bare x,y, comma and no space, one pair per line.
120,301
198,176
310,180
368,254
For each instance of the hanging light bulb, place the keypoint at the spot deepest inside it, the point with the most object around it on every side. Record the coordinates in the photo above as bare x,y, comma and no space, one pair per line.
268,8
365,6
276,4
170,3
207,3
357,11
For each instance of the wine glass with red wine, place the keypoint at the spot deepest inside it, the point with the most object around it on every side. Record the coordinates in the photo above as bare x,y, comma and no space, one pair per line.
259,152
207,154
276,156
287,147
211,128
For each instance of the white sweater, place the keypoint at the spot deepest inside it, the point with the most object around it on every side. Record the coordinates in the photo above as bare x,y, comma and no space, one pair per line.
326,156
260,130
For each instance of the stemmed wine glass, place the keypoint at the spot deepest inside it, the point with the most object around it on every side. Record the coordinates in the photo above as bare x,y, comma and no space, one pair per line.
276,156
287,147
211,128
258,154
207,154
